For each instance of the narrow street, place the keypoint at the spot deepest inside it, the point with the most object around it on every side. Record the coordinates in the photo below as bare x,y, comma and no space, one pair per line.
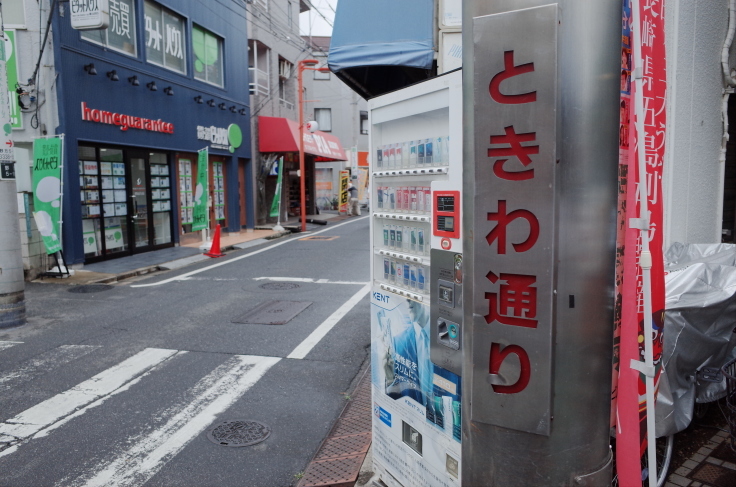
120,387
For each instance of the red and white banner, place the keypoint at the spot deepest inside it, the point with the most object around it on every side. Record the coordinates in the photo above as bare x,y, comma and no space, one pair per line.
630,393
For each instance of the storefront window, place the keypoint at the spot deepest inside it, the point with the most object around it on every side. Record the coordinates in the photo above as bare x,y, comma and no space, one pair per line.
120,35
165,44
207,56
104,201
161,197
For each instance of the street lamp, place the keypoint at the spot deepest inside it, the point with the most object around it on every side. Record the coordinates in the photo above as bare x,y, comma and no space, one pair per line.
304,64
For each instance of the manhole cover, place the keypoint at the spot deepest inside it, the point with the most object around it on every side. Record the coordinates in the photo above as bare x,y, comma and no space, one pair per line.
238,433
279,286
273,313
90,288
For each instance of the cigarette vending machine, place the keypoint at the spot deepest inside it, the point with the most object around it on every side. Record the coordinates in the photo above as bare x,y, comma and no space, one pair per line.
416,301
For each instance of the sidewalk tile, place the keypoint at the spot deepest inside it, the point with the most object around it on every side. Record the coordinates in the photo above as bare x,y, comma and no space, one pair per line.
678,480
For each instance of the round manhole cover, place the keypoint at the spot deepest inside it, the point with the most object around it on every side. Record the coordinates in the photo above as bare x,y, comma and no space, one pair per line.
279,286
90,288
238,433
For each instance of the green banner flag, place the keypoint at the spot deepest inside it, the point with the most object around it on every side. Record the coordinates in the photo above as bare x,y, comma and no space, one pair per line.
275,206
47,158
12,68
201,214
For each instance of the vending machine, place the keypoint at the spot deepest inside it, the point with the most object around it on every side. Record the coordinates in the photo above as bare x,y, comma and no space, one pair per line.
416,271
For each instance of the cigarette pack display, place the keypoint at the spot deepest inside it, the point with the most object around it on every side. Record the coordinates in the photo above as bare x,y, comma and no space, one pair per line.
399,237
420,152
379,197
385,235
399,272
386,268
428,151
392,237
392,198
412,153
413,276
379,158
438,150
420,241
405,275
420,279
394,271
406,195
413,244
413,199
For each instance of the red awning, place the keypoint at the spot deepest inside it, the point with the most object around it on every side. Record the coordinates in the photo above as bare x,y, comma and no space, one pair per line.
276,134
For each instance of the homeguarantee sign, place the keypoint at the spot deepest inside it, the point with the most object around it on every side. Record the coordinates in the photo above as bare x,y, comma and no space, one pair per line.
125,121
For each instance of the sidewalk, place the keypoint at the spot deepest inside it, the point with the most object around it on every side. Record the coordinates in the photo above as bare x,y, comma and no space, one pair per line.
175,257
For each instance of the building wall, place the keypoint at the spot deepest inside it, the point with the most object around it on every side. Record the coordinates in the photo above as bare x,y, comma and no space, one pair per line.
693,176
40,119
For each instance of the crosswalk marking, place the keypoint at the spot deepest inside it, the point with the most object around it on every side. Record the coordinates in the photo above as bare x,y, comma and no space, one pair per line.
31,421
42,364
4,345
213,394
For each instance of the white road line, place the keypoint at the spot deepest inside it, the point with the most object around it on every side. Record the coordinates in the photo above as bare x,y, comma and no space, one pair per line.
4,345
308,344
182,277
307,279
42,415
215,393
43,363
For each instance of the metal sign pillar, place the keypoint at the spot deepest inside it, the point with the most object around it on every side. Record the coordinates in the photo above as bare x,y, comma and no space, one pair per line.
540,99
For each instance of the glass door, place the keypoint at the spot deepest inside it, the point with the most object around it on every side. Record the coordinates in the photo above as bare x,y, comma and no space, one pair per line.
140,211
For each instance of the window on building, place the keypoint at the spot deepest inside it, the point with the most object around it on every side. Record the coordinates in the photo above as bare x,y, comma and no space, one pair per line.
318,75
323,117
286,85
259,56
165,43
14,15
120,35
207,56
364,122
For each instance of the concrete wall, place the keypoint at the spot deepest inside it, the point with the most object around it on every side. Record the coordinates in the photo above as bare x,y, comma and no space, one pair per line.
693,176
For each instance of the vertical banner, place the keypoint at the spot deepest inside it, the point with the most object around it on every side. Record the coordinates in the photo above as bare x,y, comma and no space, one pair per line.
514,249
12,69
632,406
47,163
201,214
275,205
344,176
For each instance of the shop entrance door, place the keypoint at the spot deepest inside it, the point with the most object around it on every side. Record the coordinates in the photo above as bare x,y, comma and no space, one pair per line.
140,212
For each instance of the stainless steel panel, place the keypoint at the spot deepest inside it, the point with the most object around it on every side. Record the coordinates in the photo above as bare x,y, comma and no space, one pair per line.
446,310
576,452
515,110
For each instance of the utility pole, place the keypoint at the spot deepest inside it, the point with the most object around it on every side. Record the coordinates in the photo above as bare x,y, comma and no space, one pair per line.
12,284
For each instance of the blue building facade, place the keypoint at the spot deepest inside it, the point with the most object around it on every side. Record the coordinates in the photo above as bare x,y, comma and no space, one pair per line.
137,101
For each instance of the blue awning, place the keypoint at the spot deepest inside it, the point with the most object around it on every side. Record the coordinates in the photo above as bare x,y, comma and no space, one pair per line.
382,33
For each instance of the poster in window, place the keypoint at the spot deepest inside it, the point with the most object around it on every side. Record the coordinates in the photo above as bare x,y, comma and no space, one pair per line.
108,196
93,211
164,182
106,182
118,183
118,169
106,168
92,197
90,182
163,170
90,167
156,194
165,194
156,206
121,209
108,209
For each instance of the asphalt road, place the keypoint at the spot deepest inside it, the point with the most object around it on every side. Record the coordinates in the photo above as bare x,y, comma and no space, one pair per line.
119,388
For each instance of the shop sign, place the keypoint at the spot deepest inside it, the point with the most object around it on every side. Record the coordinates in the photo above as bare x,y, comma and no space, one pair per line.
12,71
515,142
125,121
90,14
47,162
228,139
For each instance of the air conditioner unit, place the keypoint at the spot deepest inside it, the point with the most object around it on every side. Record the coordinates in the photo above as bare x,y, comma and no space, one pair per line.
285,69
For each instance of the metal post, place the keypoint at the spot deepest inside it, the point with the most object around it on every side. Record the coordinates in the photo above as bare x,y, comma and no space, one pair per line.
568,385
302,173
12,284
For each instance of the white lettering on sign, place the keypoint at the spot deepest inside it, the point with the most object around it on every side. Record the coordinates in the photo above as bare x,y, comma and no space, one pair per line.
217,136
125,121
120,13
174,42
154,34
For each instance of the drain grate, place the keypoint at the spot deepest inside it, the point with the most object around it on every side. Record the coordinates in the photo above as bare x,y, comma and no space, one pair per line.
273,313
319,237
238,433
340,446
714,475
333,472
90,288
279,286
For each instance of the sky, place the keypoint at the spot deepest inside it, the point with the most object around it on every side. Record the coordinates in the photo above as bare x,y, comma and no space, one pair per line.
319,26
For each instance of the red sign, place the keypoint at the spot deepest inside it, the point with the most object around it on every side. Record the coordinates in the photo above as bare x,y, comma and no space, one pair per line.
125,121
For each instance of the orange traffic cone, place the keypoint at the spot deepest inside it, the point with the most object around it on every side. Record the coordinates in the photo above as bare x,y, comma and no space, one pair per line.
215,249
